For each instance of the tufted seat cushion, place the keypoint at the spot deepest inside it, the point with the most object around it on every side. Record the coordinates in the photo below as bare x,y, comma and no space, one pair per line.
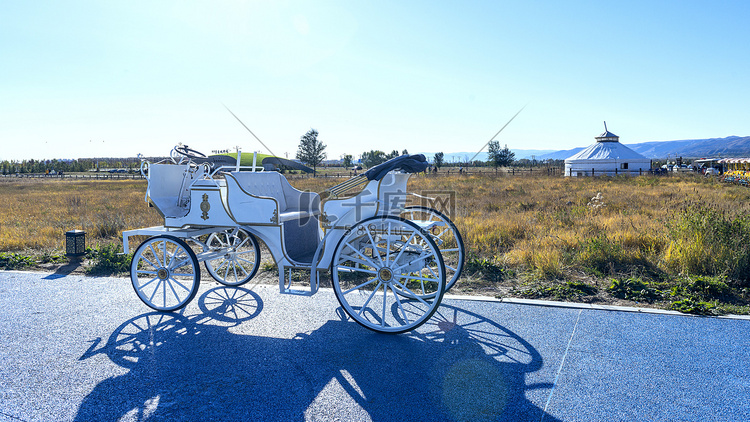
293,204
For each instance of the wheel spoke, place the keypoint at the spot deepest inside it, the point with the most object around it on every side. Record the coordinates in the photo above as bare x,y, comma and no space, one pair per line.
388,245
178,283
245,240
377,288
223,263
359,261
171,287
226,272
372,242
151,299
411,293
244,271
149,262
360,286
442,233
245,260
403,248
385,296
156,256
355,269
164,248
372,264
416,277
179,253
147,283
182,263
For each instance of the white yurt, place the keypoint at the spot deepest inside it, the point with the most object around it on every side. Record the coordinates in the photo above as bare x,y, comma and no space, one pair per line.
607,156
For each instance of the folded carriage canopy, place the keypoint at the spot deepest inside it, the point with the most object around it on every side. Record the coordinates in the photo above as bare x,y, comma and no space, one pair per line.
409,163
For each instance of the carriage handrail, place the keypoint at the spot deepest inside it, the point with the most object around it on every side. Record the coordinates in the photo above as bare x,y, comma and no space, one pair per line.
407,163
346,185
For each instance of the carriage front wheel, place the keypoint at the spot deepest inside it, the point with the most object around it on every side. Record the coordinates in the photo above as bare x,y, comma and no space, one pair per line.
379,259
165,273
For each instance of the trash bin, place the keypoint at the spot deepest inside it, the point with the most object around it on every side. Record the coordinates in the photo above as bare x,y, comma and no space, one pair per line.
75,243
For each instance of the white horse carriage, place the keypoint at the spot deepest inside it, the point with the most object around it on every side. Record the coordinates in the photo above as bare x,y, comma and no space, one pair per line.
390,264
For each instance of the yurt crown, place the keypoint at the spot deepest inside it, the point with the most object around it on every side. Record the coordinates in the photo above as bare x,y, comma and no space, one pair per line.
607,136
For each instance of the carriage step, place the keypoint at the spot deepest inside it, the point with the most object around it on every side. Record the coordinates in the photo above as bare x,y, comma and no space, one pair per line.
286,280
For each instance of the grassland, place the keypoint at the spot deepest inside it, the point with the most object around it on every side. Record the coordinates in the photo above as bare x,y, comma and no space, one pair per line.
679,242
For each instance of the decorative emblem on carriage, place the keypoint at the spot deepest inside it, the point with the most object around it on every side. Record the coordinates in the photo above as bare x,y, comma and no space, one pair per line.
205,206
326,222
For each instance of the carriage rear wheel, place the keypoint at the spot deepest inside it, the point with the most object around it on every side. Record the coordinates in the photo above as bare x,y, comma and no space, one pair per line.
165,273
376,263
446,237
240,260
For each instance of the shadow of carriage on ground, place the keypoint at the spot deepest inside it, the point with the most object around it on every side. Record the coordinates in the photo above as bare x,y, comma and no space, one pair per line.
458,366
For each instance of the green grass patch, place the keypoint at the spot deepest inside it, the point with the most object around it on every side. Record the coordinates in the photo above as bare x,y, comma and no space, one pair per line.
108,260
15,261
693,306
636,289
484,268
569,290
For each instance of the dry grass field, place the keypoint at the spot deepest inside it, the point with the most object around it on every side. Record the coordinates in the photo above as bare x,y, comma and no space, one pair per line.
679,241
36,213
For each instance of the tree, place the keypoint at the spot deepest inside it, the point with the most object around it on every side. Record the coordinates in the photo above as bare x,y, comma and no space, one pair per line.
393,154
347,161
507,156
500,157
311,151
404,152
438,159
372,158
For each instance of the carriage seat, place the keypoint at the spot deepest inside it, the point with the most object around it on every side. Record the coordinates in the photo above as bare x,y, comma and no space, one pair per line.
293,204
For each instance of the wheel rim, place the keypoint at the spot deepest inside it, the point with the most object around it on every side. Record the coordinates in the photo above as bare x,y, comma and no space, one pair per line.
165,273
446,237
240,260
376,262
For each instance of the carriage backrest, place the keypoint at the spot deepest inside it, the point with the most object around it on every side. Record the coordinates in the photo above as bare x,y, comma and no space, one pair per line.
165,180
263,183
169,187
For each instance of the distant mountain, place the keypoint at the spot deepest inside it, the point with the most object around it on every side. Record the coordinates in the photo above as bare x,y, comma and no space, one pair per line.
732,146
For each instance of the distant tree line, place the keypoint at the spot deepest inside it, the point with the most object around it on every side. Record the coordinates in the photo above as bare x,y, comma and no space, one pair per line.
497,157
70,166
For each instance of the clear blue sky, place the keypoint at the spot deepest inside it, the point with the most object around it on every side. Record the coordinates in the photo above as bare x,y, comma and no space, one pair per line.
100,78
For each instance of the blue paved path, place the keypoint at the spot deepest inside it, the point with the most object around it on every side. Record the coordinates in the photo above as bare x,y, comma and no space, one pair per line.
75,348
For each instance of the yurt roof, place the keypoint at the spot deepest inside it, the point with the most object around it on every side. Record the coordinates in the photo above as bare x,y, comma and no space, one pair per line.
607,151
